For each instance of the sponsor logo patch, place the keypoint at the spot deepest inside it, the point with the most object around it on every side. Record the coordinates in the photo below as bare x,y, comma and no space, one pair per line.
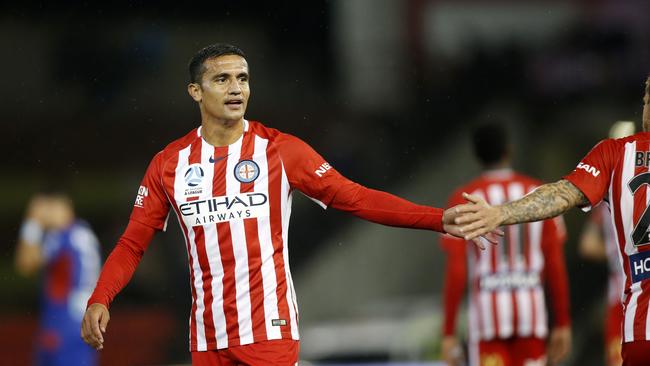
139,199
322,169
278,322
225,208
589,169
193,179
247,171
640,266
213,160
502,281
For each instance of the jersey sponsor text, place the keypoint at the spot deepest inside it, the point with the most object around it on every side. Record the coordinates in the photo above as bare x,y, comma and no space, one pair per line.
225,208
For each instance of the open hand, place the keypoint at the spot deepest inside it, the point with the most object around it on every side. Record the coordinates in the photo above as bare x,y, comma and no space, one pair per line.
451,226
477,218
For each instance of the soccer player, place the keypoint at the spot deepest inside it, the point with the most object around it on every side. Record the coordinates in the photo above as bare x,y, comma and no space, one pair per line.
68,251
230,182
598,243
507,310
615,171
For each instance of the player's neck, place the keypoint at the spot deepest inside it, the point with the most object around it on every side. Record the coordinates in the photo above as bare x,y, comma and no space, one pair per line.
222,133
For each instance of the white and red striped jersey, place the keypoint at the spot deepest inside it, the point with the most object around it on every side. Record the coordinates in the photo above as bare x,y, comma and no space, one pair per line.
616,170
507,281
241,284
233,204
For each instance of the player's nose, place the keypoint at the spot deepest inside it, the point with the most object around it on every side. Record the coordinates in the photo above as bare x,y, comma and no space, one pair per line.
234,89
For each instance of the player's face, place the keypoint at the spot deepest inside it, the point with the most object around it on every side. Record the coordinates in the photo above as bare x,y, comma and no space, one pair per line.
224,90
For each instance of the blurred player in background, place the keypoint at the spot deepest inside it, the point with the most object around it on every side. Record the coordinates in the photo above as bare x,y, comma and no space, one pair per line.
616,171
230,183
507,311
67,251
598,243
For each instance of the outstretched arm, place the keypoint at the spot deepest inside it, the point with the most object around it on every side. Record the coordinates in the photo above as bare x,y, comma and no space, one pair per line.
308,172
387,209
477,218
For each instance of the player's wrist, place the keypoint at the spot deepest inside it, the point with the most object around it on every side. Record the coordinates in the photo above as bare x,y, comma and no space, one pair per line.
31,232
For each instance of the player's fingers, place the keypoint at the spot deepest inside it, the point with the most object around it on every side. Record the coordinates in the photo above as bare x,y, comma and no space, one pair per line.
85,329
97,334
472,198
103,321
467,218
555,352
479,243
494,236
472,225
470,235
491,238
89,338
82,330
550,354
562,351
465,208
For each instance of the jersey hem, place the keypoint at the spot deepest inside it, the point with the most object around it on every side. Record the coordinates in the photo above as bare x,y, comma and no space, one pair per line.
212,346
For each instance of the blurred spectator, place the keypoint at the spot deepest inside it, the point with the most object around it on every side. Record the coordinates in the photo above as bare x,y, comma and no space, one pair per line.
68,251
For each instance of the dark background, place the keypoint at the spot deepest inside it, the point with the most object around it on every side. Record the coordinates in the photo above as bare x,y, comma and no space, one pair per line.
383,89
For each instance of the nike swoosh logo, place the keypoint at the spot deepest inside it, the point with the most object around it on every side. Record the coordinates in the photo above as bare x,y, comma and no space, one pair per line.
213,160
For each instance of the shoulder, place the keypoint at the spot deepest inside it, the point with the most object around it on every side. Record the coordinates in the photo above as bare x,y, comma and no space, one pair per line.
617,145
272,134
263,131
179,144
171,150
279,140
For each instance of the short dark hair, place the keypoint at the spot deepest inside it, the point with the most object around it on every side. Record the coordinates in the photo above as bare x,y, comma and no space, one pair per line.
490,142
214,50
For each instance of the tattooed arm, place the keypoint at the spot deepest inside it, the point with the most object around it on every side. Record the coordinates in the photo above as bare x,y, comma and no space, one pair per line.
547,201
477,217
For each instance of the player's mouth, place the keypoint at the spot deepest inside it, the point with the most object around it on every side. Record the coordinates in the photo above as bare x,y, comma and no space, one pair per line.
234,104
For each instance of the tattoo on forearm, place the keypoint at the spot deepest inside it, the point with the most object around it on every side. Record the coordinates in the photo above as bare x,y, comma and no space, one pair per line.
547,201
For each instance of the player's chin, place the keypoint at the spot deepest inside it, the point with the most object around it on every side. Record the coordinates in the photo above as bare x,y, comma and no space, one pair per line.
235,115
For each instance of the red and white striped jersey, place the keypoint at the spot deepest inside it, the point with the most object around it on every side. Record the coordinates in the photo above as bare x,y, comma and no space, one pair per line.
506,281
616,170
241,284
233,204
601,217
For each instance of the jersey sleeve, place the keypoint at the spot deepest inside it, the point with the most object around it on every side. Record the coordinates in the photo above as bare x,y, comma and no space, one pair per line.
594,172
308,172
122,262
556,278
151,206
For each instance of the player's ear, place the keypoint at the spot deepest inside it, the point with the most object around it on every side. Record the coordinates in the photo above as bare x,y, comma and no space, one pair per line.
195,91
